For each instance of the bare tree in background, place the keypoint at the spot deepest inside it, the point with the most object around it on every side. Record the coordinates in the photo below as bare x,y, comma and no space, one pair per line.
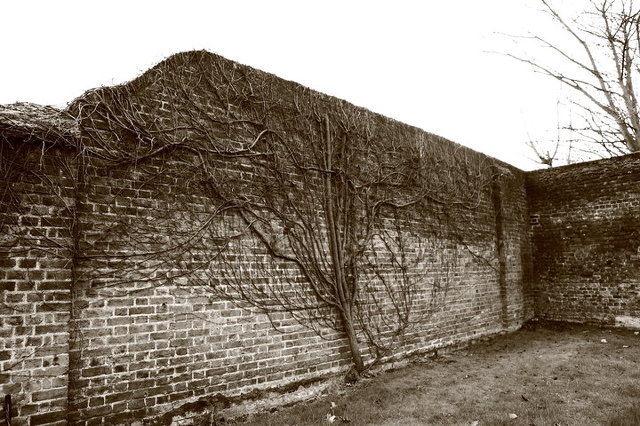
600,63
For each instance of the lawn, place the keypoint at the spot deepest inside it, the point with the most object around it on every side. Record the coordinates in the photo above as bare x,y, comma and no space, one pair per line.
545,374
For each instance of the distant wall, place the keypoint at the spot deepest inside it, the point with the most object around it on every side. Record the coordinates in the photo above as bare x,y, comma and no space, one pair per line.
133,335
585,226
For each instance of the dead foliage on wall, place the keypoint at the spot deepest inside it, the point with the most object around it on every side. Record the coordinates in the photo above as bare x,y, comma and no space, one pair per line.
222,230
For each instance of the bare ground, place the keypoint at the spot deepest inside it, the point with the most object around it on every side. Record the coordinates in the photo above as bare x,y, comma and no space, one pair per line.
545,374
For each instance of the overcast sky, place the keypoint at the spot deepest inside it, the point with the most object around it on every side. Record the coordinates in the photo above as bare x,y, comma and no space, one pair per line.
425,63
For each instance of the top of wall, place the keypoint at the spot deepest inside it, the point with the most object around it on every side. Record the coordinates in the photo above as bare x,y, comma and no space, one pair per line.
587,166
65,124
285,90
568,182
266,85
28,122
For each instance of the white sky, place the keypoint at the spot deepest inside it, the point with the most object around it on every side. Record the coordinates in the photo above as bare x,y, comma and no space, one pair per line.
424,63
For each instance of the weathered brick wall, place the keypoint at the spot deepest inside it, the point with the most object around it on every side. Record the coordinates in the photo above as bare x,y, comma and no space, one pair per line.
151,340
36,245
147,335
585,225
515,255
150,344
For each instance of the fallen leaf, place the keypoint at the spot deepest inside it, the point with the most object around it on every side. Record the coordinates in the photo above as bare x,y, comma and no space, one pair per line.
626,346
330,418
513,416
603,340
524,398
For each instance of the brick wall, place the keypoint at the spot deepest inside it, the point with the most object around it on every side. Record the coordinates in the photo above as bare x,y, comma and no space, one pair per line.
35,276
585,225
150,339
142,332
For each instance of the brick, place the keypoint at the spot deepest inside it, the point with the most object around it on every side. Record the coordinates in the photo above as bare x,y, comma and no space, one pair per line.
7,262
135,404
27,263
47,418
48,395
121,418
96,401
141,310
7,286
54,285
96,371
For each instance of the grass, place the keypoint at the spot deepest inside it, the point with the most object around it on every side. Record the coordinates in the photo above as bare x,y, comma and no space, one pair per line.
630,417
545,374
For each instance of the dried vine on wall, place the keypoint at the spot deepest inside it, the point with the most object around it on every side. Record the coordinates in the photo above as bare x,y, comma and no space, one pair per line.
292,202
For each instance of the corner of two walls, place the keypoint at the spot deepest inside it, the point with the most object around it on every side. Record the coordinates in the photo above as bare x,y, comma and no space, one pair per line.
585,230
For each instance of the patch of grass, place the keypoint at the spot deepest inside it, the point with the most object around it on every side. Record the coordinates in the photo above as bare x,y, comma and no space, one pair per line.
629,417
546,376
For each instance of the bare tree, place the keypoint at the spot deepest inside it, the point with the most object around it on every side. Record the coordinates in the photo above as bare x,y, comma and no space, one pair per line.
600,63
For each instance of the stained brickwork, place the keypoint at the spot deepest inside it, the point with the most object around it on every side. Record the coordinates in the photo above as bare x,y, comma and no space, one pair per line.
585,226
35,278
138,331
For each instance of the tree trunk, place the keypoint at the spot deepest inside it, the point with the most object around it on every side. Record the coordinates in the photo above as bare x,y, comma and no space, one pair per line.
336,251
356,357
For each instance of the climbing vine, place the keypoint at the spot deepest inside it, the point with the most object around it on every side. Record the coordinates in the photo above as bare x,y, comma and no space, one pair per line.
209,176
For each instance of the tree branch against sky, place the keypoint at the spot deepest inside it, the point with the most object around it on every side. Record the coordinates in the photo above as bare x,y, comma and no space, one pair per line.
597,58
